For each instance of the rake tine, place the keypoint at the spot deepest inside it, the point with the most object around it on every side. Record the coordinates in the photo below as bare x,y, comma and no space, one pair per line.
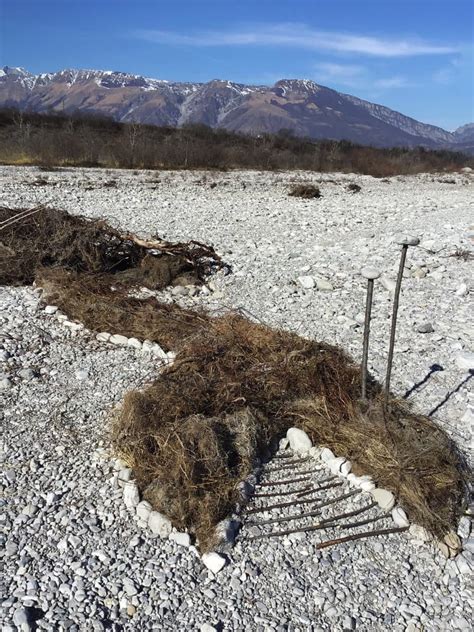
291,503
328,523
313,514
269,494
289,465
310,491
288,481
360,536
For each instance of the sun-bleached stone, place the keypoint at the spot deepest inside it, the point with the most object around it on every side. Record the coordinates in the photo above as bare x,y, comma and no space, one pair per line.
119,340
327,455
159,524
450,545
384,499
183,539
213,561
131,496
134,343
299,440
399,517
103,336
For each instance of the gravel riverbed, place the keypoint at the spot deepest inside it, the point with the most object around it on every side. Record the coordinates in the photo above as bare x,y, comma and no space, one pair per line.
74,558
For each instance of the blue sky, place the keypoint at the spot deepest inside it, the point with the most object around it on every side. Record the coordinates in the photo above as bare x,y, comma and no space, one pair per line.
415,56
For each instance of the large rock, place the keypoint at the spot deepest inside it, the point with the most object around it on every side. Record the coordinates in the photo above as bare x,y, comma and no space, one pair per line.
299,440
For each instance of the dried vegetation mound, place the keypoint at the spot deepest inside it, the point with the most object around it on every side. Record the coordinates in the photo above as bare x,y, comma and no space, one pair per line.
306,191
47,238
194,433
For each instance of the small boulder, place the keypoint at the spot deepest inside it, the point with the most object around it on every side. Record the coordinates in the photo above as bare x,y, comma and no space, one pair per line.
182,539
327,455
465,360
119,340
306,282
131,496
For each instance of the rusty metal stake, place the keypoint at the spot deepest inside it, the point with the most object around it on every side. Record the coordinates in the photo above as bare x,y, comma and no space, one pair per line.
370,274
404,241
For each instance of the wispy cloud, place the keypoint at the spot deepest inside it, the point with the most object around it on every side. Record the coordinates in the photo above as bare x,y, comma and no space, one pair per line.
299,36
392,82
343,74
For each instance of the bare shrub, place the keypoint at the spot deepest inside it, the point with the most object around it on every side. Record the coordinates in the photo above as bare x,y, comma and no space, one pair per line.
306,191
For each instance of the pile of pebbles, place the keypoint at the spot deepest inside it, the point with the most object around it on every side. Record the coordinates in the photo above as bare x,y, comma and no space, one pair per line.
76,558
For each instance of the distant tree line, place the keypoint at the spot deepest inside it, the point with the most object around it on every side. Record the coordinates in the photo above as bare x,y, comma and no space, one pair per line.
87,140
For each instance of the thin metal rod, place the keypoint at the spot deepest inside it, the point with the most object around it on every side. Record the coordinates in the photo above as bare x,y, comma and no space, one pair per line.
396,299
365,351
304,502
360,536
313,514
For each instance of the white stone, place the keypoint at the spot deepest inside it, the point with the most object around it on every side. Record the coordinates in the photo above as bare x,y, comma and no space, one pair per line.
370,273
449,546
327,455
464,566
306,282
419,533
171,356
324,285
399,517
73,326
384,499
205,627
131,496
159,524
143,510
408,240
365,483
299,440
103,336
158,352
182,539
50,309
283,444
340,466
118,339
213,561
134,343
315,452
465,360
462,290
82,375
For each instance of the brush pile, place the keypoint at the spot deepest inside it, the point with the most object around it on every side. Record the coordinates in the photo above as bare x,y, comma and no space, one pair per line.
31,239
235,386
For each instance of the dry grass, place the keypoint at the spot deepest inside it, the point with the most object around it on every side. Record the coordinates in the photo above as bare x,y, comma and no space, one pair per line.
277,380
306,191
52,238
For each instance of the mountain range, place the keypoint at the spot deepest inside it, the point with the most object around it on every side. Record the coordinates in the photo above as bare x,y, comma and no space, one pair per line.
301,106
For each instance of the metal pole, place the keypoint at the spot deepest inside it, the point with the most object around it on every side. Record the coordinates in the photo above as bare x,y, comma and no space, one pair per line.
370,274
404,241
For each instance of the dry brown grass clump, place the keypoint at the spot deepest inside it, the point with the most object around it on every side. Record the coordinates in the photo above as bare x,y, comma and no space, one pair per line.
307,191
90,300
274,380
47,238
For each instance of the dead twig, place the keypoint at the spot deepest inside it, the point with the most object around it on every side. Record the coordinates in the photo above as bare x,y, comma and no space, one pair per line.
360,536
